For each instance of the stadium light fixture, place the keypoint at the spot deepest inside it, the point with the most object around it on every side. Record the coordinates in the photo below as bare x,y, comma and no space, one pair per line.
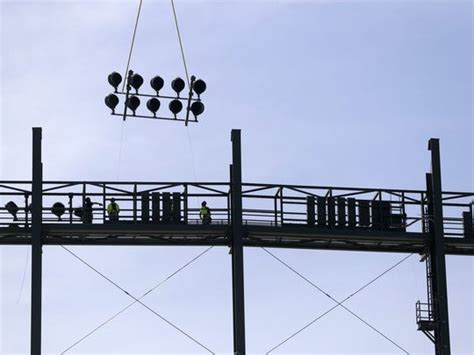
176,102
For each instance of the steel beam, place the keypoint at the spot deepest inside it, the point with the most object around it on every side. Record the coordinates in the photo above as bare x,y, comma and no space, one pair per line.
36,244
437,254
237,246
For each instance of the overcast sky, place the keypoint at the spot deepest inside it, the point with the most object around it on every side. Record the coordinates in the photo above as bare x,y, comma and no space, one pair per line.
342,93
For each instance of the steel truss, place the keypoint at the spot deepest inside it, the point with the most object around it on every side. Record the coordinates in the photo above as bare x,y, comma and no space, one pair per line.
432,223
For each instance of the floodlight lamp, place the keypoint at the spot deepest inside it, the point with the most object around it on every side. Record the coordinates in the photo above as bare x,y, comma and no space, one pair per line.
153,105
136,80
157,83
132,103
197,108
12,208
112,101
178,85
199,87
58,210
175,106
115,79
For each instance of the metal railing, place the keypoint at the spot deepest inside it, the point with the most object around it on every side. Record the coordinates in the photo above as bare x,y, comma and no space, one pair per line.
424,312
263,204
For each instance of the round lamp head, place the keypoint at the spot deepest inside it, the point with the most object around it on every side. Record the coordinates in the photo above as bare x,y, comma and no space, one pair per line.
132,103
199,86
111,101
12,208
115,79
58,209
178,85
153,105
136,80
157,83
175,106
197,108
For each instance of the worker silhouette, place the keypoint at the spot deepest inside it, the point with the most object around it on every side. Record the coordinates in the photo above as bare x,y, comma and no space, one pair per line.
87,210
113,210
205,213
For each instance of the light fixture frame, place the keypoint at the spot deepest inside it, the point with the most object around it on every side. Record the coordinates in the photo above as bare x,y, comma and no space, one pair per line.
186,101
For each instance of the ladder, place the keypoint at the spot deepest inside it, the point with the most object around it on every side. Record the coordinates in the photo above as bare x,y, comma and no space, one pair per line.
425,316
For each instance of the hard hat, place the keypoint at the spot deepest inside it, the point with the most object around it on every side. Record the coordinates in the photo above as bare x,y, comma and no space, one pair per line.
204,203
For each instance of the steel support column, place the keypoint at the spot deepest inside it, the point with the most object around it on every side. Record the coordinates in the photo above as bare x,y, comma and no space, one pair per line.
237,246
36,248
437,255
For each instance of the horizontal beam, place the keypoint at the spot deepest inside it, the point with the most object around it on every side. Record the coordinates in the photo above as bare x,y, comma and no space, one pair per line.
217,235
253,185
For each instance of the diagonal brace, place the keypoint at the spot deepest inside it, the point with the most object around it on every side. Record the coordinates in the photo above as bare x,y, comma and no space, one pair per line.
115,315
139,301
338,303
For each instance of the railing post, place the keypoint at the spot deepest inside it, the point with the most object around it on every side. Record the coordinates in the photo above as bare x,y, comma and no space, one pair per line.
229,202
36,243
104,204
437,254
134,203
27,220
282,216
237,246
185,204
71,209
275,207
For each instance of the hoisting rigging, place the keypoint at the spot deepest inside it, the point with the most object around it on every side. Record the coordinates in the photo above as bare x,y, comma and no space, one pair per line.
134,80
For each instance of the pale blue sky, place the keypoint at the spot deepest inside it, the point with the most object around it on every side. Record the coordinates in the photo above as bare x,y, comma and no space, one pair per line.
343,93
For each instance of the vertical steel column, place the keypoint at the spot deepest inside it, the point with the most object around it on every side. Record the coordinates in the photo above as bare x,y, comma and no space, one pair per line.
237,246
442,343
36,254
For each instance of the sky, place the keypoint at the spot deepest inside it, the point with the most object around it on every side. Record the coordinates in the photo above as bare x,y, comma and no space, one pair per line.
336,93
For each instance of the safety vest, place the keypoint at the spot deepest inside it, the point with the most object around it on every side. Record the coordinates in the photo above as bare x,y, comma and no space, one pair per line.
113,208
205,211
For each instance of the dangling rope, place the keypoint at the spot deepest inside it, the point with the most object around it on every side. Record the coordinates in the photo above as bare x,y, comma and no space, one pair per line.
120,150
24,275
191,148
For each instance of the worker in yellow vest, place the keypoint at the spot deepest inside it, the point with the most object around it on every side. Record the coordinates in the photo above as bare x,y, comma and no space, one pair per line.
205,213
113,210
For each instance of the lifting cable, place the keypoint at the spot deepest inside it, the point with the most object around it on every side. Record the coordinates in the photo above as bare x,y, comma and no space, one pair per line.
125,79
132,44
338,303
183,58
137,300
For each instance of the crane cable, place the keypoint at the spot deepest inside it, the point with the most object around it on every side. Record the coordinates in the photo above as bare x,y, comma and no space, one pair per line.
183,58
132,44
137,300
125,80
338,303
180,43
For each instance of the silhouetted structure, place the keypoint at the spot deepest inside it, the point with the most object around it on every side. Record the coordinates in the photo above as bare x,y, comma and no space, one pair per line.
429,222
132,100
